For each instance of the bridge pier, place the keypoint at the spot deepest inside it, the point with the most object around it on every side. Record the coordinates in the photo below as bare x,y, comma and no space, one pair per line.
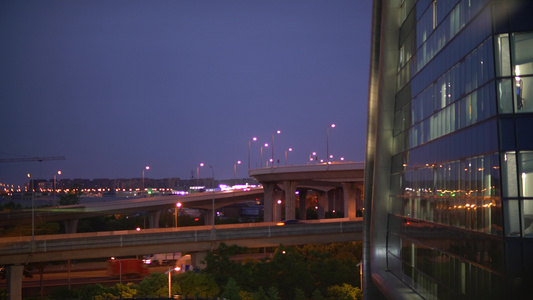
71,226
303,202
268,202
208,217
153,218
350,194
290,199
330,203
321,203
14,281
198,260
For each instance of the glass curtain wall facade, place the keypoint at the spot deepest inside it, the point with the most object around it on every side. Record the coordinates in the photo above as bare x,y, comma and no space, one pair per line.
450,150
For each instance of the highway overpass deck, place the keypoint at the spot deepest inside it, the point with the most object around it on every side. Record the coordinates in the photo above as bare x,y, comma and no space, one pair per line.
103,206
46,248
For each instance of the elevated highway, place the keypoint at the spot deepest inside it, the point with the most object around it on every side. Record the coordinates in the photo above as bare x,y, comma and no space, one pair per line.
328,180
61,247
152,205
16,252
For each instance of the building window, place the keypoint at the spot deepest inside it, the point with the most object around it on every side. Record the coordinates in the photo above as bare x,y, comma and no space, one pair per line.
526,173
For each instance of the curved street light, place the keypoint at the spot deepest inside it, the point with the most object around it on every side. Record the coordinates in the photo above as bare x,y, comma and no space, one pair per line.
169,281
178,205
145,168
327,142
266,145
198,174
235,170
289,150
213,173
272,160
249,143
55,189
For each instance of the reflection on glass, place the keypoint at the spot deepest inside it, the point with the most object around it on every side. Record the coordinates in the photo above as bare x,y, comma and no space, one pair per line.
526,173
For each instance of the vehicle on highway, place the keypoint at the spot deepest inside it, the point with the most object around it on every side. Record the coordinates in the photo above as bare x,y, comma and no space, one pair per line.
126,267
161,259
290,222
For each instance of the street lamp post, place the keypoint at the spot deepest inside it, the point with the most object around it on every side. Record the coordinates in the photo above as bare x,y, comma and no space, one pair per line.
32,211
145,168
55,190
119,269
327,142
249,143
169,281
289,150
278,132
178,205
235,170
266,145
213,218
198,174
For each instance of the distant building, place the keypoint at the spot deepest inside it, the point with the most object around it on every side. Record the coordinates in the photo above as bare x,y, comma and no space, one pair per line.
449,167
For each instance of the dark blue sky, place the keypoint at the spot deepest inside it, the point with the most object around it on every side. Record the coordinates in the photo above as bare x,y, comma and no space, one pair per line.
118,85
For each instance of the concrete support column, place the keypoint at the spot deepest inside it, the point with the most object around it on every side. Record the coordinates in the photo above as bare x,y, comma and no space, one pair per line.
71,225
339,200
14,281
359,198
153,218
208,217
321,203
268,202
290,199
331,201
198,260
350,193
303,204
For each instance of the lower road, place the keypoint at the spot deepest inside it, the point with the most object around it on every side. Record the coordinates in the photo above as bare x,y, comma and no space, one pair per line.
55,276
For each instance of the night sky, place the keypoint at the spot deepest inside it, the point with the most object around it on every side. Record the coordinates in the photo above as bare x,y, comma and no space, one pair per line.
115,86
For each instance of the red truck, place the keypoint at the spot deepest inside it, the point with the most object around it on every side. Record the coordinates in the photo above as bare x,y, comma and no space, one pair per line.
126,267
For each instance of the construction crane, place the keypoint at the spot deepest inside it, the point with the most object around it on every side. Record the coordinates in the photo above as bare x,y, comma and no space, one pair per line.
39,159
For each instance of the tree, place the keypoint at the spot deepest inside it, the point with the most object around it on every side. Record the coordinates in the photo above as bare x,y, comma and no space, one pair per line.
344,292
299,294
72,197
221,267
198,285
231,290
89,291
156,284
290,270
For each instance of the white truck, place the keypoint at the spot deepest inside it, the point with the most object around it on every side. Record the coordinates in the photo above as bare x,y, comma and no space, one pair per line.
161,259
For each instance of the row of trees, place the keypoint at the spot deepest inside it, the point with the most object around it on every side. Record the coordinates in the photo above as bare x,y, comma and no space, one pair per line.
321,271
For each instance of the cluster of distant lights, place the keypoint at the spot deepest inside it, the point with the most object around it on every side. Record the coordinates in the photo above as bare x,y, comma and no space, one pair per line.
222,187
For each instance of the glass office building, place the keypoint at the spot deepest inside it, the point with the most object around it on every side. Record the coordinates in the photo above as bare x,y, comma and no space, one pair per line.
449,166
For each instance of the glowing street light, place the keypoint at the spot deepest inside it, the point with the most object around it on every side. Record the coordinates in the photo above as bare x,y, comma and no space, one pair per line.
327,142
119,268
32,213
145,168
277,132
213,173
178,205
266,145
249,142
169,282
289,150
198,174
55,190
235,170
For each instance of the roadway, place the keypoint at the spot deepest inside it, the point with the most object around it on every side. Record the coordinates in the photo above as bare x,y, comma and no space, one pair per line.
105,206
62,247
